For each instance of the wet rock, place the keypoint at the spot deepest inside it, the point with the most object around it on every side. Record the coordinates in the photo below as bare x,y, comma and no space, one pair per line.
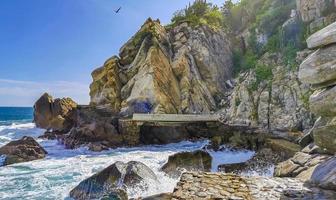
93,126
56,115
117,176
190,161
261,163
117,194
23,150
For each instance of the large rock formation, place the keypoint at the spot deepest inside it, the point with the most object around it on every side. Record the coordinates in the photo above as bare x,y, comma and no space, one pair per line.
53,114
113,180
182,70
23,150
318,70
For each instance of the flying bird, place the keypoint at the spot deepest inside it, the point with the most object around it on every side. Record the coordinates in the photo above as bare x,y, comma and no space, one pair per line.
117,11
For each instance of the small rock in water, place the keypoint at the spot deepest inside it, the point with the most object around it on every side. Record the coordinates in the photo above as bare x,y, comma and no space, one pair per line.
192,161
23,150
114,180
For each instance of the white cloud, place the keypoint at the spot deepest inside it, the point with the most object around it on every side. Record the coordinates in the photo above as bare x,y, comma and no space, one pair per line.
25,93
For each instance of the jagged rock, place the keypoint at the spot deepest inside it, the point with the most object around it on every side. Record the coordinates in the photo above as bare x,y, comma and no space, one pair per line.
190,161
23,150
182,70
94,126
323,102
318,68
324,133
54,114
323,37
115,177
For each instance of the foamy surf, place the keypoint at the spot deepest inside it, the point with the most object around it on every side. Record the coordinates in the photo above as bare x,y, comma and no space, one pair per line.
62,170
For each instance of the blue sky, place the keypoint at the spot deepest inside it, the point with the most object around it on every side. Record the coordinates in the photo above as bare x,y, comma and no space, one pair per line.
54,45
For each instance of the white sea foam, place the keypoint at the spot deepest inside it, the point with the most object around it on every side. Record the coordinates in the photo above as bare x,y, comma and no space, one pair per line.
54,176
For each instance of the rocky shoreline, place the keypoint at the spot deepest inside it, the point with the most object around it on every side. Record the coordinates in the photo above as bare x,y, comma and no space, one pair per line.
186,69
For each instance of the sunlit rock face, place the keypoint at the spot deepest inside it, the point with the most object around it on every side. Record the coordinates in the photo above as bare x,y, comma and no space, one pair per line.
180,70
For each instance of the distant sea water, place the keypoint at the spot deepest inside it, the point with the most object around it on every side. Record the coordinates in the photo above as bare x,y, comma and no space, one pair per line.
55,176
9,115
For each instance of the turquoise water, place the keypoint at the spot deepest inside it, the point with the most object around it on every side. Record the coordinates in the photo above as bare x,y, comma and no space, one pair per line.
54,176
9,115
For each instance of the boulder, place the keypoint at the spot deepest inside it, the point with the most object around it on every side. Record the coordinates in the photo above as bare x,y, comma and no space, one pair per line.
53,114
23,150
318,68
114,178
191,161
323,37
324,134
323,102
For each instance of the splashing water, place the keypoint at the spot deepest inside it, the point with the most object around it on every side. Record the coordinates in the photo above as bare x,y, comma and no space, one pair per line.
62,170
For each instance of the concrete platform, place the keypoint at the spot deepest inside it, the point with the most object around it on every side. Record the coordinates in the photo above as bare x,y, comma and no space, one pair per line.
175,118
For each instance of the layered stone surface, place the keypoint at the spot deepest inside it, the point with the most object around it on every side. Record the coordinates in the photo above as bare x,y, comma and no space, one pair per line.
228,186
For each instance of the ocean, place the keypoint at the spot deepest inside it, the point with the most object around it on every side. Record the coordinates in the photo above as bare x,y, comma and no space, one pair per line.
55,176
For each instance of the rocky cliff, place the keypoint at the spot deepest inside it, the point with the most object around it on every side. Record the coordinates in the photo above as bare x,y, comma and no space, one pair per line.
181,70
277,103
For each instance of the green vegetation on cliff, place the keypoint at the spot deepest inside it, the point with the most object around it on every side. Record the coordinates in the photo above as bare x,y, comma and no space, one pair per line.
200,13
